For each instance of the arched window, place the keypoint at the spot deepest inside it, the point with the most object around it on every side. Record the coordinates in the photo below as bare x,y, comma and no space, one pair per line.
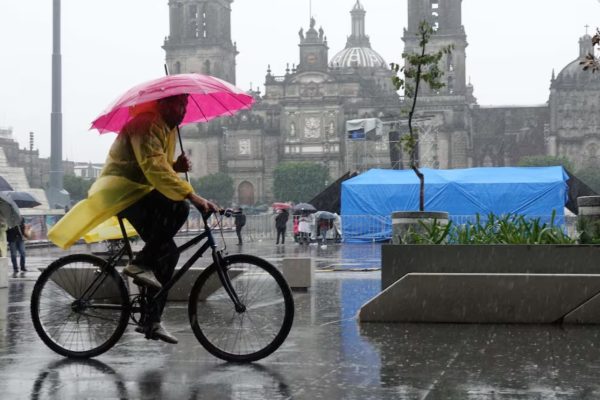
177,67
206,68
435,16
193,18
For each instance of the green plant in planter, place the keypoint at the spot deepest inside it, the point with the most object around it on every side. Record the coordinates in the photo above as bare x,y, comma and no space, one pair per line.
419,68
507,229
589,230
429,233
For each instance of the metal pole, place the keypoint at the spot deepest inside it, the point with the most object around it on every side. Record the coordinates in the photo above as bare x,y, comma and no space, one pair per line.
187,178
56,170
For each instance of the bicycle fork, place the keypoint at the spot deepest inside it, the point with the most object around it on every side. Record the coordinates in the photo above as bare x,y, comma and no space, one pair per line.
226,282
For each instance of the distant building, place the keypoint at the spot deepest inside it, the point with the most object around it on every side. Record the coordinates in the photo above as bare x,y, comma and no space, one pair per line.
302,114
88,170
575,112
35,170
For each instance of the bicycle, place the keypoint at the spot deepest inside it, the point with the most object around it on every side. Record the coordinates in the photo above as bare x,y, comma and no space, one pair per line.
240,308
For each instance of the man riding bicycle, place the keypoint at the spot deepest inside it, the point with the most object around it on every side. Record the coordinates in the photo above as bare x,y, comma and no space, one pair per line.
139,182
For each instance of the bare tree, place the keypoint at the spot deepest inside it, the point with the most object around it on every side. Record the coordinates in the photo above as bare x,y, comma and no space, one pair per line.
419,67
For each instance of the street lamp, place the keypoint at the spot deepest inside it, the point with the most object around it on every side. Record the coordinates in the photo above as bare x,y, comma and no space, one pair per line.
31,158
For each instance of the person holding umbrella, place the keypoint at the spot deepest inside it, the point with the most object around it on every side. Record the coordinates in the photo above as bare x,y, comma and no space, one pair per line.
280,224
139,182
15,237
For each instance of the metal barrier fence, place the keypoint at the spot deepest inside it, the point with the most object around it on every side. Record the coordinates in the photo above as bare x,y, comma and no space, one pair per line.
257,227
375,228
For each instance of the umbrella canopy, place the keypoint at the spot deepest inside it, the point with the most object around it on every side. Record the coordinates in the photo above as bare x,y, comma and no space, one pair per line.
9,211
325,215
281,206
209,97
303,208
23,199
4,185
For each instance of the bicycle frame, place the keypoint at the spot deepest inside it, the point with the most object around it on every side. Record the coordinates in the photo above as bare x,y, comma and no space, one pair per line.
216,256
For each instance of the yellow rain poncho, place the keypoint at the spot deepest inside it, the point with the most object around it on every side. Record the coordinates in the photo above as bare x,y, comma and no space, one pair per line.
140,160
109,230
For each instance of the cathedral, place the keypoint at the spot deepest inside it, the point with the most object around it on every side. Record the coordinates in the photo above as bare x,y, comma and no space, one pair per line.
302,114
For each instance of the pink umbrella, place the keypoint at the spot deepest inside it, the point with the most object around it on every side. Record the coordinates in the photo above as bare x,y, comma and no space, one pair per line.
209,97
281,206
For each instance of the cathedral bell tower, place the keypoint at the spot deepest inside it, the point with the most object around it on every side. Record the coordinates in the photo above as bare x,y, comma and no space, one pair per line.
313,49
445,17
200,38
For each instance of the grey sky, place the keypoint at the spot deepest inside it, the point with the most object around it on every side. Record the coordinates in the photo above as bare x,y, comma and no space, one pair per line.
110,45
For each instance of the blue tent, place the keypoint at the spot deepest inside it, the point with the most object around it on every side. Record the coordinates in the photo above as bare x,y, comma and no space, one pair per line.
369,199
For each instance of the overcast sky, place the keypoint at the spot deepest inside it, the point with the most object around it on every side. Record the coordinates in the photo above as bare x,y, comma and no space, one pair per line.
110,45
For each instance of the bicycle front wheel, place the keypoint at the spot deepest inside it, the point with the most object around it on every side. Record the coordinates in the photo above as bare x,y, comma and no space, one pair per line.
257,331
80,307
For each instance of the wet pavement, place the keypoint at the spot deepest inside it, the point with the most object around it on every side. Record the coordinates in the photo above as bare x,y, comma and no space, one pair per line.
327,355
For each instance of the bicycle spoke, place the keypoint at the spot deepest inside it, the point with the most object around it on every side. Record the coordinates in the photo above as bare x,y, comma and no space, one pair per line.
255,332
79,306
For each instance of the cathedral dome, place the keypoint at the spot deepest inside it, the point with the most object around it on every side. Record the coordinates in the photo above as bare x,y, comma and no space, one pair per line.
358,57
573,74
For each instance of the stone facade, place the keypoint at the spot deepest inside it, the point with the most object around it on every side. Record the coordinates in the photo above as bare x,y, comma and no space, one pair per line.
302,114
574,117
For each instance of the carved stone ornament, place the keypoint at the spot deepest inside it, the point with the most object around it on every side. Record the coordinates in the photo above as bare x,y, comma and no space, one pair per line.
312,128
244,147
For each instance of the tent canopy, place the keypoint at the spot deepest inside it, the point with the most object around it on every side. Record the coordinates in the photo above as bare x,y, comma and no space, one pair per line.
530,191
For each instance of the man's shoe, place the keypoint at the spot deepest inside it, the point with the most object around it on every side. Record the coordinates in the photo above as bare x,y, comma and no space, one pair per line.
142,276
158,333
24,269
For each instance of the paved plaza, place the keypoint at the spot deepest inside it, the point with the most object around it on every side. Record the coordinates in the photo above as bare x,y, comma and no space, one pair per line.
328,355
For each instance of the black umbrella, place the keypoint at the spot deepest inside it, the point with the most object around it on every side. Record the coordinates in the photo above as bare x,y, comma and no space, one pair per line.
5,185
303,208
325,215
23,199
9,211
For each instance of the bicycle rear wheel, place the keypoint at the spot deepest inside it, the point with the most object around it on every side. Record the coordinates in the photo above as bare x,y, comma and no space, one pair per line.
80,307
242,336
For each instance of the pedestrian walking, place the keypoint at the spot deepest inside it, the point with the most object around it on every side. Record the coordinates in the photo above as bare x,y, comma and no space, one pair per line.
15,237
280,224
324,226
240,221
304,229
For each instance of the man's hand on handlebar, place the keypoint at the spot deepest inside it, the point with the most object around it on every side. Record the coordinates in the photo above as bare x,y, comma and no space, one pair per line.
205,206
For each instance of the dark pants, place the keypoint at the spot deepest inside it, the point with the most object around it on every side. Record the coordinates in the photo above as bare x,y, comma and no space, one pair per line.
17,246
238,232
280,233
157,219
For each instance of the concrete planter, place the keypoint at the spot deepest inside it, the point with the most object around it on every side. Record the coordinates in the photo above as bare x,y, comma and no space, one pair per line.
397,261
405,221
487,284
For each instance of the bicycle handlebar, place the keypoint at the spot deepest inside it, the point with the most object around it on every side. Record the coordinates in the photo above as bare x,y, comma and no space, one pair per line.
227,212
